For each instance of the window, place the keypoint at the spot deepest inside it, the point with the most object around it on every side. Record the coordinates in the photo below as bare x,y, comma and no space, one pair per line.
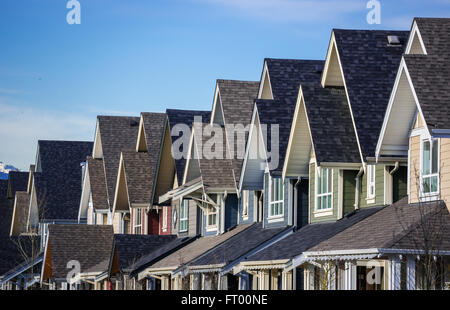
371,181
184,209
164,219
276,197
324,189
430,166
211,214
137,222
245,196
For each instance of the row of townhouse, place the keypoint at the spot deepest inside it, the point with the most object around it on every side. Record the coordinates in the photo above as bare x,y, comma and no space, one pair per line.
321,175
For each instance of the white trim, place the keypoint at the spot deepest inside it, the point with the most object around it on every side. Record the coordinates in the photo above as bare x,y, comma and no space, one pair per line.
186,215
263,78
330,193
275,202
189,155
371,197
245,204
429,195
137,213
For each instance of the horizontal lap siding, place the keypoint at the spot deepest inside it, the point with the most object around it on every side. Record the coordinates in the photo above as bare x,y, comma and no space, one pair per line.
379,187
414,173
445,170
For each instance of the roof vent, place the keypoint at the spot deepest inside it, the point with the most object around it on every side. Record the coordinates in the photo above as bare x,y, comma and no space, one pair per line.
133,123
393,40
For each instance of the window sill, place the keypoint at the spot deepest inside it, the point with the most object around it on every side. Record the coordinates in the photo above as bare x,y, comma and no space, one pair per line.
370,200
211,228
275,218
429,197
322,213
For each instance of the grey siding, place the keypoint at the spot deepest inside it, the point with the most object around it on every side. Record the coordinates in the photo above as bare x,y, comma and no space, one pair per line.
251,209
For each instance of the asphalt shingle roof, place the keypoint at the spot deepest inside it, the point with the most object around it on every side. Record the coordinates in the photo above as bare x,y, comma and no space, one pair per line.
238,245
138,175
369,66
391,227
131,248
90,245
196,248
435,33
309,236
58,184
184,117
97,181
237,98
330,124
286,75
117,133
18,181
3,188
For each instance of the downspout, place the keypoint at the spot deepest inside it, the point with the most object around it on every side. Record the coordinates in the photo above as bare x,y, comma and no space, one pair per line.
396,167
358,188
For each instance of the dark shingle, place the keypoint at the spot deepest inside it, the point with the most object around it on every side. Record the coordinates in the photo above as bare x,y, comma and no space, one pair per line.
3,188
238,245
286,75
131,248
138,175
97,181
58,182
237,98
309,236
369,67
117,133
90,245
184,117
22,206
435,33
330,124
18,181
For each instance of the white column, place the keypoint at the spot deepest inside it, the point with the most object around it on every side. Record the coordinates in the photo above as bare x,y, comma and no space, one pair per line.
410,273
309,277
350,275
394,273
332,274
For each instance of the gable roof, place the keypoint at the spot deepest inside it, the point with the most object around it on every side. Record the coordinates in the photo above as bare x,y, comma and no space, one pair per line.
185,117
20,214
132,248
3,188
369,66
58,183
309,236
138,176
237,102
216,169
237,246
330,123
387,228
97,180
90,245
435,33
286,75
117,133
18,181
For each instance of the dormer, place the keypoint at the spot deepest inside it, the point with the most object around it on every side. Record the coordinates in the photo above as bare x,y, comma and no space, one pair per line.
265,89
332,74
415,43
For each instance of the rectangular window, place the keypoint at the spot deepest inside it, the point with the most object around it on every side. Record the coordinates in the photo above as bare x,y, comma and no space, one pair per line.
324,189
371,181
137,222
245,200
184,209
211,214
164,219
430,166
276,196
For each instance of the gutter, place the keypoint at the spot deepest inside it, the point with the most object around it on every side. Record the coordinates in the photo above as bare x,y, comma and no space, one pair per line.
396,167
440,133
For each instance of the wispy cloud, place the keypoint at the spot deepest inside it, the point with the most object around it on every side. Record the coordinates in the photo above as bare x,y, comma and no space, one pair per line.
291,10
21,127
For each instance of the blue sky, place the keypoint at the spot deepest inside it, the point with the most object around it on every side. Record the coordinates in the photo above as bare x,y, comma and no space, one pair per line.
129,56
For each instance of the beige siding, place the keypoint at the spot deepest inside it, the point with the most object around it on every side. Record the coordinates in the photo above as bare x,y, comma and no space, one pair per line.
192,230
166,170
445,170
116,222
414,169
334,73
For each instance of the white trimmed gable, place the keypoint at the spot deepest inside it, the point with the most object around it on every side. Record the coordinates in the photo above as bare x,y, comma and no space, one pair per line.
141,145
415,43
192,169
85,196
300,143
217,112
332,73
97,150
265,89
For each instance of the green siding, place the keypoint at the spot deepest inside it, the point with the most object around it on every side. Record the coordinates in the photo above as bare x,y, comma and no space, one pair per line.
312,201
379,188
349,187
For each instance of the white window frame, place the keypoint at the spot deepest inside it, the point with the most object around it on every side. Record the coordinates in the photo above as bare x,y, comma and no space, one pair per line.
329,191
164,219
213,211
275,202
371,173
137,214
184,216
430,175
245,203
